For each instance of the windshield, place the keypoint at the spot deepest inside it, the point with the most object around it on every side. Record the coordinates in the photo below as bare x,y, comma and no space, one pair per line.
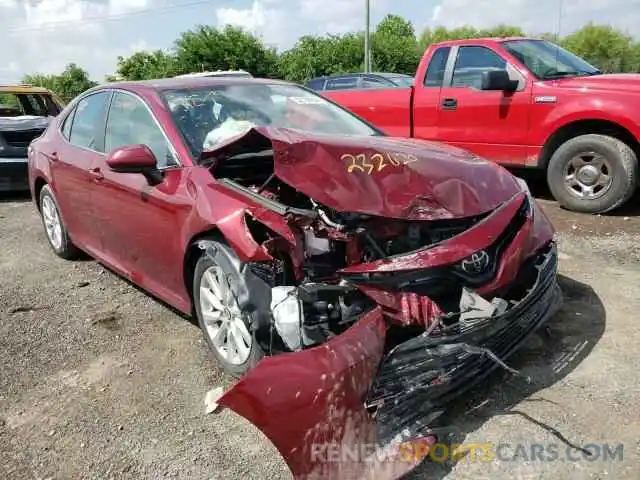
547,60
208,116
27,104
402,81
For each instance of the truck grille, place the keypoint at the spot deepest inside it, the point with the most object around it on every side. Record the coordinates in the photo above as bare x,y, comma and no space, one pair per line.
21,138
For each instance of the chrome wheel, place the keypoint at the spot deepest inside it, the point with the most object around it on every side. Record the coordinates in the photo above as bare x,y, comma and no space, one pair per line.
222,317
52,224
588,176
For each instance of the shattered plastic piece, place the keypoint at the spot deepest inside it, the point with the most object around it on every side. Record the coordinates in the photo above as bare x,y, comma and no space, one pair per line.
211,399
474,307
286,308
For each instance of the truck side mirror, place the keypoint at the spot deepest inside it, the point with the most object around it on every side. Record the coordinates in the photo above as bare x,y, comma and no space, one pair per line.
498,80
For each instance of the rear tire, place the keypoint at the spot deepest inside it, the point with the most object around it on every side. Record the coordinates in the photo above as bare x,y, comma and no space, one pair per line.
593,173
226,329
54,227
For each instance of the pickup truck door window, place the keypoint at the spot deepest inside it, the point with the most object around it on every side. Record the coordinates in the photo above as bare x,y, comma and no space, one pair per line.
427,96
138,220
72,168
492,124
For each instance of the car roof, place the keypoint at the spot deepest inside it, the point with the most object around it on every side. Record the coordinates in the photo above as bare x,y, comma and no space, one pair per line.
346,74
389,75
480,41
176,83
22,88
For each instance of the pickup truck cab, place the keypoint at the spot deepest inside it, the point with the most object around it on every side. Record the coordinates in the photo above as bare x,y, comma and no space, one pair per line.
521,102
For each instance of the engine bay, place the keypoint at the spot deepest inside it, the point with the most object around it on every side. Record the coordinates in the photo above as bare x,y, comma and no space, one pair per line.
310,300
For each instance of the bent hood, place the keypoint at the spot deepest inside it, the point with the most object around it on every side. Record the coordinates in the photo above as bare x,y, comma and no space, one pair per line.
382,176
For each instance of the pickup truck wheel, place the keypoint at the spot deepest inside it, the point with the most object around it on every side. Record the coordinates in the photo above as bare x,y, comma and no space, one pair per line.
224,325
592,173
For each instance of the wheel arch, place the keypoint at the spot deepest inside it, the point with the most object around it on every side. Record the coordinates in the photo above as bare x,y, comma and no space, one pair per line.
38,184
577,128
191,256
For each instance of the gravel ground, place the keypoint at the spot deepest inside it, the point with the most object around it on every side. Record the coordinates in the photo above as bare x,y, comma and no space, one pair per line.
97,380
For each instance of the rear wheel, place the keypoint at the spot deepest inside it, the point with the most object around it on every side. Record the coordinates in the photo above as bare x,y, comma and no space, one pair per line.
54,227
593,173
224,325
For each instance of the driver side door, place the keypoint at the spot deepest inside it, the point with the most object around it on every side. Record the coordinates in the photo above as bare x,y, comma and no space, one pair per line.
491,124
139,222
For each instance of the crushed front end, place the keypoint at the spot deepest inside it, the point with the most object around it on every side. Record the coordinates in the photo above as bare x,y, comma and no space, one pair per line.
383,308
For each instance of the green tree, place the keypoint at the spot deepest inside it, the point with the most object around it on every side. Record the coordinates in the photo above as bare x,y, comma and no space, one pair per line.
67,85
395,47
314,56
602,45
229,48
146,65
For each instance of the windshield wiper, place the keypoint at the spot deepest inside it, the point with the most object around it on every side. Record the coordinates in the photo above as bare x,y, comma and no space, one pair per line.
570,73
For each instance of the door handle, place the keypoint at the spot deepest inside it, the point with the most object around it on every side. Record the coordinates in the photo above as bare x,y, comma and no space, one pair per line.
53,156
449,104
96,173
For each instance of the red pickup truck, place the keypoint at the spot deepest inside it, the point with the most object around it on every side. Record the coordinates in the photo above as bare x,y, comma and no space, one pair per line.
521,102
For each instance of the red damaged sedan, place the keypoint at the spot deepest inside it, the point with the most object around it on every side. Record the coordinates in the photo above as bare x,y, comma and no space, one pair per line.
354,282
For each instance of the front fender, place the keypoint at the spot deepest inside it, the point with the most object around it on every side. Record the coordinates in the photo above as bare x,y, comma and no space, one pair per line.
585,108
311,405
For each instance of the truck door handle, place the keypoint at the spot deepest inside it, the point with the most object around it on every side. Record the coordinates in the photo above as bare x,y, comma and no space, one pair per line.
449,104
96,173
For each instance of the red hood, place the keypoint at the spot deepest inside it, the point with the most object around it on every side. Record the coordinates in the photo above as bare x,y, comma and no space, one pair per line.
624,82
382,176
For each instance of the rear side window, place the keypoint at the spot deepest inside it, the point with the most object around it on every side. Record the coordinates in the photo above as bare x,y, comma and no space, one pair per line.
435,70
342,83
470,64
87,120
372,82
316,84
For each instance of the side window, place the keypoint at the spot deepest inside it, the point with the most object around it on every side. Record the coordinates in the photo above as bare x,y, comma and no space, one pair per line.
342,83
372,82
131,123
66,126
87,120
436,68
316,84
470,64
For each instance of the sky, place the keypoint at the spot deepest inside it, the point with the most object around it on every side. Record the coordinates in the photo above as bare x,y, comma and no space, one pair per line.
45,35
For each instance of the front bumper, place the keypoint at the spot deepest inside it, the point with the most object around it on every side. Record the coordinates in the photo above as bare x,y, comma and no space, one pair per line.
436,368
316,405
14,174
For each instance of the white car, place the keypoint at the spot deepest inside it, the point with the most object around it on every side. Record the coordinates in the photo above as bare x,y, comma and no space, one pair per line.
218,73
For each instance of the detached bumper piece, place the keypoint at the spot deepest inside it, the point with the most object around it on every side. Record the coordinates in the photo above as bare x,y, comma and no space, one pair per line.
418,377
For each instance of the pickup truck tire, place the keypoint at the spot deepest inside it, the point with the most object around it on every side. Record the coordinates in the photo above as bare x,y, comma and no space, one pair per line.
592,173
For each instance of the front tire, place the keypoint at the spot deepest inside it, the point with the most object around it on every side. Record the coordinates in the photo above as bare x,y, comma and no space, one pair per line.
224,326
593,173
55,229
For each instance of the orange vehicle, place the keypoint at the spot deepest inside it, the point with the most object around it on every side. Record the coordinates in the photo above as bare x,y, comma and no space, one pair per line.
25,113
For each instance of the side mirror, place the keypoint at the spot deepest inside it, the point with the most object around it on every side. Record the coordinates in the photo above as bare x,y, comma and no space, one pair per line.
135,159
498,80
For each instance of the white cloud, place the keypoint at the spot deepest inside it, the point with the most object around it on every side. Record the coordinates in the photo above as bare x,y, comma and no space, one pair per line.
45,36
536,16
282,22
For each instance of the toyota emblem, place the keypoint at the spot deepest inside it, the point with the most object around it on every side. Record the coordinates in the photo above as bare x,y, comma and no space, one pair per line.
476,263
